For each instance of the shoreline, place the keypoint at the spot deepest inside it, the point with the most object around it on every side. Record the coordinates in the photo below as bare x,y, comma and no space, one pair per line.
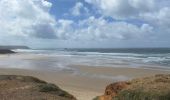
84,87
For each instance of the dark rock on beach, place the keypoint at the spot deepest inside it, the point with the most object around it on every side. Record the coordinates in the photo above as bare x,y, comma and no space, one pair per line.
6,51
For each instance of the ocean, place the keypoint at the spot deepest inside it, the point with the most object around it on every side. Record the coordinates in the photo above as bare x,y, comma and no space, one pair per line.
130,57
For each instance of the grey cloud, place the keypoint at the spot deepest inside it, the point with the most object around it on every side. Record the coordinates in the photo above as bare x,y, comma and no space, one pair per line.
44,31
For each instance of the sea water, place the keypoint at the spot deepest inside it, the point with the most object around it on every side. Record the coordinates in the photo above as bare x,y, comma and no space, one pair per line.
132,57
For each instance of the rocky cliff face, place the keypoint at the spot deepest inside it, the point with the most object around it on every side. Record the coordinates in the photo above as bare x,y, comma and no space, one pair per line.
149,88
29,88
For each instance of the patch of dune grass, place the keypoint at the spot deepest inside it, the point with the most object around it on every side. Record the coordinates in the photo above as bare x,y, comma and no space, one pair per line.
48,88
52,88
141,95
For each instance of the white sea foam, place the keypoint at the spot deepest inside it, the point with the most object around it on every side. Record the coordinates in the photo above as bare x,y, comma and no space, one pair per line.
103,58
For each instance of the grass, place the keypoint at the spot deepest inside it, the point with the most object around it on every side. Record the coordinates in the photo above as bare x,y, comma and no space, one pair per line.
21,78
48,87
52,88
141,95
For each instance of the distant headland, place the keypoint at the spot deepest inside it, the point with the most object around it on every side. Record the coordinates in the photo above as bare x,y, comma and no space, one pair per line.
8,49
13,47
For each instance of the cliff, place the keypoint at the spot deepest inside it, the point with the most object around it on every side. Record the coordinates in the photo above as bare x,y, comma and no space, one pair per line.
8,49
148,88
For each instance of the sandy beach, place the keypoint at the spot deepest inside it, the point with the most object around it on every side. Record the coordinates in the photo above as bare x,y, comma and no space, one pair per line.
83,46
83,81
84,87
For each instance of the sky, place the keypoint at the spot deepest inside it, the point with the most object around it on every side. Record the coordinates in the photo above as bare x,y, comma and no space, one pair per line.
85,23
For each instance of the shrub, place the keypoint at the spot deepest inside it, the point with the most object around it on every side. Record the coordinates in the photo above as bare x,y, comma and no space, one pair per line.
48,87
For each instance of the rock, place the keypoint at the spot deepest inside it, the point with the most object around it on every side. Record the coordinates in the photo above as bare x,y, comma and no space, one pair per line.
112,90
6,51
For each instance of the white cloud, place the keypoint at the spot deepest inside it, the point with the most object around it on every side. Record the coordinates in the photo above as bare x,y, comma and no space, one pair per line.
152,15
64,29
78,9
46,4
26,18
31,18
154,12
100,29
122,9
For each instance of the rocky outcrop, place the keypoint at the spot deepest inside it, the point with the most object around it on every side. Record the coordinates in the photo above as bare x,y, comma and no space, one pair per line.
149,88
14,87
112,90
6,51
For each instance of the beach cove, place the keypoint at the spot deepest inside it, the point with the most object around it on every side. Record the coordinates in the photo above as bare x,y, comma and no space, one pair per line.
83,81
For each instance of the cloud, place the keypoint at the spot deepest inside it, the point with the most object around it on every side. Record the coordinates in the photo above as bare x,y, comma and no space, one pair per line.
64,29
122,9
32,19
101,29
78,9
132,20
153,16
160,21
154,12
160,18
26,18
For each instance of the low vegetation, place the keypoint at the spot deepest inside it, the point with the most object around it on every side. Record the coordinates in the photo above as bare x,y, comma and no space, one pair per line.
14,87
149,88
48,88
141,95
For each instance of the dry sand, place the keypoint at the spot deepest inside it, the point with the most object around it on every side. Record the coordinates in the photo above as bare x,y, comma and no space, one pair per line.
85,86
